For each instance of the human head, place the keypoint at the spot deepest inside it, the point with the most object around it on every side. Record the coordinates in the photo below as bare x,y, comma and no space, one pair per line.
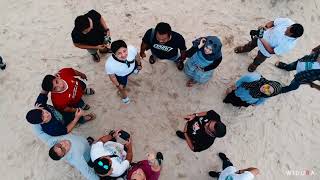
83,24
295,30
59,150
53,83
271,88
38,116
102,166
217,128
119,49
138,174
163,32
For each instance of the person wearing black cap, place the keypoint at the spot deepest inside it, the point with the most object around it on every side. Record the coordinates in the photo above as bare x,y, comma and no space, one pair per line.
52,121
202,129
164,44
123,62
92,33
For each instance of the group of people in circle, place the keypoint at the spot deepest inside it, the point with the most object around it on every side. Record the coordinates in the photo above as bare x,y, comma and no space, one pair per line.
110,156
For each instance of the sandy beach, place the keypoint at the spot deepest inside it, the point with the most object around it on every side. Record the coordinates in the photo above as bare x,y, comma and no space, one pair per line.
278,137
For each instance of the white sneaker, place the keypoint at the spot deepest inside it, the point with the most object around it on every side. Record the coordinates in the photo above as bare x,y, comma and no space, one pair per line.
136,71
126,100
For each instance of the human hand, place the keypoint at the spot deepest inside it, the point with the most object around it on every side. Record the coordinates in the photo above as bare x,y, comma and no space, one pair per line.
128,143
38,106
101,46
142,54
189,117
83,76
79,113
202,43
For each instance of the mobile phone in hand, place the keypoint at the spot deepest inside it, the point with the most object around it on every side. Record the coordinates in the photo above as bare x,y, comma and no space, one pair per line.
124,135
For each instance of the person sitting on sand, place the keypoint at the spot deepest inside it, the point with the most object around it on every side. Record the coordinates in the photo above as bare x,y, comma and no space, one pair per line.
52,121
91,32
229,172
308,70
146,169
111,159
279,37
123,62
251,89
164,44
204,56
67,90
201,130
76,151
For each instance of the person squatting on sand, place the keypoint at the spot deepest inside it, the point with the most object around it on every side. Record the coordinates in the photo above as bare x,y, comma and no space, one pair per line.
123,62
201,129
229,172
204,56
251,89
307,68
91,32
146,169
164,44
67,90
276,37
52,121
111,159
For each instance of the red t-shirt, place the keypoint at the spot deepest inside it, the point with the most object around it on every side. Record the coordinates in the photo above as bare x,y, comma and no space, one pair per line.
72,95
146,168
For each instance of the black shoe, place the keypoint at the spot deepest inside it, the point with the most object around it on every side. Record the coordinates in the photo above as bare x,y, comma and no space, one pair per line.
180,65
223,157
96,57
214,174
180,134
151,60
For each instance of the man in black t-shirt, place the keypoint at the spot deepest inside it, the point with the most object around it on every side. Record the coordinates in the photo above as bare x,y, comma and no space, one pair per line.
92,33
164,44
201,130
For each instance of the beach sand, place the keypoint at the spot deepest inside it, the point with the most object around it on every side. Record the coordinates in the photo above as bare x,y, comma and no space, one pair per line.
277,137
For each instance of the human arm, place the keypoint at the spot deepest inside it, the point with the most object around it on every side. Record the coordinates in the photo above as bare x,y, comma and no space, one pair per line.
313,85
114,81
188,139
144,47
316,49
42,98
269,24
105,26
82,75
254,171
138,61
85,46
145,44
267,46
72,124
128,145
214,65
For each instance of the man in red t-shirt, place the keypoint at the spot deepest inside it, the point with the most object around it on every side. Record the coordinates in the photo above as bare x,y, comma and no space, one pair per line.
67,90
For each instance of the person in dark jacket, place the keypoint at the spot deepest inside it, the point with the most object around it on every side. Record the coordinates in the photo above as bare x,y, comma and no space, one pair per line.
201,130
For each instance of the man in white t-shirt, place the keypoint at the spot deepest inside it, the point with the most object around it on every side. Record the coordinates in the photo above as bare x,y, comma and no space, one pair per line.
110,158
229,172
123,62
279,37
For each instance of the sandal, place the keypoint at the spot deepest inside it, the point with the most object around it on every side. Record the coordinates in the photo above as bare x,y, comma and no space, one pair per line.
239,49
252,67
152,60
190,83
96,57
89,117
280,65
89,91
86,107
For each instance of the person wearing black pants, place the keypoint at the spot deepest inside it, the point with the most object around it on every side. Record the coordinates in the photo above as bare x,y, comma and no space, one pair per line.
230,172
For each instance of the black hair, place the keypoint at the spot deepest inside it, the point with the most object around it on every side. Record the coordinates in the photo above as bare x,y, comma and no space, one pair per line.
296,30
163,28
100,169
159,158
53,154
116,45
34,116
220,129
81,23
47,83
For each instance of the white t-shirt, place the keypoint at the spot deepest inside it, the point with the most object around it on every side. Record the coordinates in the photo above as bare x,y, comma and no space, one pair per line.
304,66
119,164
230,174
113,66
277,39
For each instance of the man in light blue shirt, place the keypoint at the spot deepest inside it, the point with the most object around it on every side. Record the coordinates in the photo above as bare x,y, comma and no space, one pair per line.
72,148
279,37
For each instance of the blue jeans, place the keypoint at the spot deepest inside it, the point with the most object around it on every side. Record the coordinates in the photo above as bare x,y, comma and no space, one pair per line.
294,84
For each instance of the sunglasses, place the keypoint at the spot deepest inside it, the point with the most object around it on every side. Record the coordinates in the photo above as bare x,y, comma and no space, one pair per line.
106,167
